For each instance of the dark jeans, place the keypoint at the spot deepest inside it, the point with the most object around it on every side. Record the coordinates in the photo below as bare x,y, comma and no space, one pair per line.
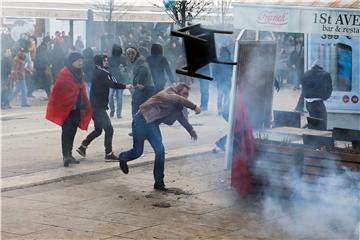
43,80
204,91
69,128
150,131
317,109
101,121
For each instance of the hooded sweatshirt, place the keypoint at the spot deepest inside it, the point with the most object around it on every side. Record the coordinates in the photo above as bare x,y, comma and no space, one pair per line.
101,82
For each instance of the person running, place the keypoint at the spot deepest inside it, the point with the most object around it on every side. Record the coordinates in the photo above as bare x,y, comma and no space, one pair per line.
164,107
99,92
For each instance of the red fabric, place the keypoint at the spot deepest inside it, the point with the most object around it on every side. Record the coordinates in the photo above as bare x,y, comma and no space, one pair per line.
243,147
63,98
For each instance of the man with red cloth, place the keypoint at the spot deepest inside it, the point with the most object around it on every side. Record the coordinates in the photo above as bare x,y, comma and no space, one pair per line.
69,105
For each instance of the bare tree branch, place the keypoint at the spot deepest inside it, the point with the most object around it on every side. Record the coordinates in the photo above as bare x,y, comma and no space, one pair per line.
184,11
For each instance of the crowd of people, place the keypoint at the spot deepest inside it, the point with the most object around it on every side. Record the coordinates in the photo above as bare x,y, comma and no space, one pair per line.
83,83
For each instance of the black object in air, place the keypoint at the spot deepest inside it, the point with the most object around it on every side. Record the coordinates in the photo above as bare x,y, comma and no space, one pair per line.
200,49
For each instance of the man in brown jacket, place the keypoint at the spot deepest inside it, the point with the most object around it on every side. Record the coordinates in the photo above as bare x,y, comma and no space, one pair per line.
164,107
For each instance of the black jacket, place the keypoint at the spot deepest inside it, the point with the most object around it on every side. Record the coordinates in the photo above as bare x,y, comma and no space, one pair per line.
158,66
317,83
102,81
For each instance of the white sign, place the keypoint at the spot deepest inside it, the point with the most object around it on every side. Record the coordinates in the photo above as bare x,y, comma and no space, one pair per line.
299,20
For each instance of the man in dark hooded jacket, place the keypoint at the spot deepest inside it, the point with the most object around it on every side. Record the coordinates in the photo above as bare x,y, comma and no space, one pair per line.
317,87
159,65
42,66
99,93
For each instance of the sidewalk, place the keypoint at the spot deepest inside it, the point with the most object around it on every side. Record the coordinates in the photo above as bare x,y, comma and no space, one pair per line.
58,174
112,205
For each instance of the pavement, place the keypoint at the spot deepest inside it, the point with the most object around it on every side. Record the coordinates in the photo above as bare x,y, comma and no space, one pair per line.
200,204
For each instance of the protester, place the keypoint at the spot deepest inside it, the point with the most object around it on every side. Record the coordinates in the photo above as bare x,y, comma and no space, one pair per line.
204,89
43,74
317,87
30,81
159,65
58,59
99,93
88,67
142,81
296,62
164,107
6,81
222,74
79,45
118,68
19,71
69,105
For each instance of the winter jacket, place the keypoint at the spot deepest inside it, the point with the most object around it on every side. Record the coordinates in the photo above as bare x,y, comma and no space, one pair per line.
166,107
158,66
19,66
101,82
141,73
317,83
117,68
42,57
88,65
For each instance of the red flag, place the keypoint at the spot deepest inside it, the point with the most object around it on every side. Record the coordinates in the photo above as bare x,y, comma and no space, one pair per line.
63,98
243,147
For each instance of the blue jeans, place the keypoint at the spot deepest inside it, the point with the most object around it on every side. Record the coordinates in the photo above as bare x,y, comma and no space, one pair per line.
118,93
204,91
21,87
150,131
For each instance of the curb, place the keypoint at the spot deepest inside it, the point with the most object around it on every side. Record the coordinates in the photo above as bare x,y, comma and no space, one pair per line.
32,180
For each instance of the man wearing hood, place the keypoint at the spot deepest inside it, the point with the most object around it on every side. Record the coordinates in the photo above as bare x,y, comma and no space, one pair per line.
317,87
99,99
164,107
142,80
69,105
158,66
118,68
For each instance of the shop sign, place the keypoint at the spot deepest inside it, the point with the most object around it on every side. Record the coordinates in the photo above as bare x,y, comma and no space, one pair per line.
300,20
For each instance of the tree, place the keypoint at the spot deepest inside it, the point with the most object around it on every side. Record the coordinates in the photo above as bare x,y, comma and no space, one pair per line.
184,11
108,8
223,9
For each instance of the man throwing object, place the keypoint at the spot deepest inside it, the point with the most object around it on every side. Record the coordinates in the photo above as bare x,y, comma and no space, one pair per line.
164,107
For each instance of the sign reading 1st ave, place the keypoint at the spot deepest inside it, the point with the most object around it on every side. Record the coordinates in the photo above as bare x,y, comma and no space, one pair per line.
339,23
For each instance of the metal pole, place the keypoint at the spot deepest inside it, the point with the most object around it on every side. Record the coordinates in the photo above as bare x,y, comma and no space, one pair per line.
230,135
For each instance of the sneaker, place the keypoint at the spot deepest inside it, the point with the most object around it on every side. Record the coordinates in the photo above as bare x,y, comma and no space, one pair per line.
110,157
160,187
26,105
123,166
130,134
73,160
111,114
81,150
119,116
